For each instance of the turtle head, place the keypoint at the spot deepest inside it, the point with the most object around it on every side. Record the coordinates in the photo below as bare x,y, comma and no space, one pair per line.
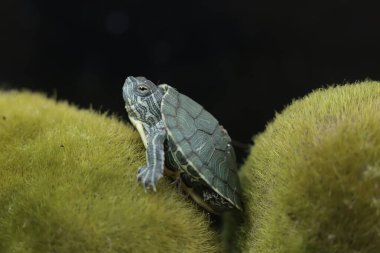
135,89
142,99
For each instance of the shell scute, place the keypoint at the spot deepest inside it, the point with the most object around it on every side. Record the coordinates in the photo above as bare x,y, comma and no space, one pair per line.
186,149
181,159
221,139
217,162
171,121
176,133
185,122
173,98
207,173
190,169
206,122
220,185
196,161
200,143
171,110
194,109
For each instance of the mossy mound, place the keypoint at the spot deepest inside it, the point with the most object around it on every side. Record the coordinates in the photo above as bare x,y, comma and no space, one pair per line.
312,181
68,184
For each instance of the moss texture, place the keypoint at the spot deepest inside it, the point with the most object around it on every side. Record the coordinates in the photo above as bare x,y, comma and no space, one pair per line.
312,181
68,184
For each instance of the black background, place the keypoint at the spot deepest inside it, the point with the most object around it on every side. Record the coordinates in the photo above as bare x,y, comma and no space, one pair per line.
242,60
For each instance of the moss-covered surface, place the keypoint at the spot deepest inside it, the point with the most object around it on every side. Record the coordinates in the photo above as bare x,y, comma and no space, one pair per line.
68,184
312,181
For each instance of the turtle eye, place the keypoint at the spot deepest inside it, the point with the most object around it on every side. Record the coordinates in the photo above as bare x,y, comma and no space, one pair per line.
142,88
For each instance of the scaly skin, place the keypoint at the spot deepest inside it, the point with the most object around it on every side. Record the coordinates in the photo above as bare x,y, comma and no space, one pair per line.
153,170
142,102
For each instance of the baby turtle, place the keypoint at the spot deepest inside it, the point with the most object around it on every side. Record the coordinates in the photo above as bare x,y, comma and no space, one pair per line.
179,133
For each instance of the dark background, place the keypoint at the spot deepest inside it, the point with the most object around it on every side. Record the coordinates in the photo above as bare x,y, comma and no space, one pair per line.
242,60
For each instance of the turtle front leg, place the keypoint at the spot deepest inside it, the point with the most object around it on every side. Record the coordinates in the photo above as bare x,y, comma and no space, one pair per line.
149,174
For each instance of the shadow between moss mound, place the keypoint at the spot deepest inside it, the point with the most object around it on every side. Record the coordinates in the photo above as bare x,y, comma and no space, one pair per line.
68,184
312,180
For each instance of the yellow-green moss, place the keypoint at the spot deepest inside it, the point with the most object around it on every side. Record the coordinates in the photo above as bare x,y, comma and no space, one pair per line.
312,181
68,184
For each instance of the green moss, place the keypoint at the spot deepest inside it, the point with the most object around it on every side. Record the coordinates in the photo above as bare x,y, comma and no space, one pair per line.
312,181
68,184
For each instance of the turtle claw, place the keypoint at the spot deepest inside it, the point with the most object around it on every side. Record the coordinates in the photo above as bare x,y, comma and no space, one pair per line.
148,176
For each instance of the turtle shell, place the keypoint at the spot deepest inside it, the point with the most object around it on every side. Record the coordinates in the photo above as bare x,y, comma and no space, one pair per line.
203,143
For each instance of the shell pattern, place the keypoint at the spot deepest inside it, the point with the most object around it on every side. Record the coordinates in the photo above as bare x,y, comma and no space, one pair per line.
201,148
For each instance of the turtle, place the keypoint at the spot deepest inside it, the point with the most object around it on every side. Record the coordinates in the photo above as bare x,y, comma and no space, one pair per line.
185,142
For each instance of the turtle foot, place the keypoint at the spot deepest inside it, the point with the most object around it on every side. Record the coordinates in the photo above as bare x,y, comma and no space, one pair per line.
148,176
178,183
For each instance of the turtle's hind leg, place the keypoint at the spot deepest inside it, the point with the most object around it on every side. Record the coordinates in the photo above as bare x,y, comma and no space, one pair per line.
180,185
